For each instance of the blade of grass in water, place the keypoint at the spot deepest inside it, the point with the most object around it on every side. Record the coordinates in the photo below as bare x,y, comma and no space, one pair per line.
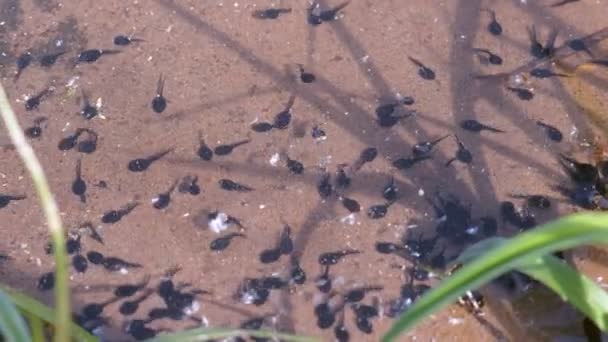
36,327
572,286
565,233
31,305
49,206
208,334
12,325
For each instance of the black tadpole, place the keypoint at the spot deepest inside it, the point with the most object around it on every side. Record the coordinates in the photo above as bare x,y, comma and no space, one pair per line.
33,102
35,131
270,13
129,307
324,187
378,211
282,119
116,264
552,132
306,77
223,242
262,127
350,204
88,145
69,142
390,191
189,185
473,125
159,103
223,150
123,40
408,163
80,263
49,60
268,256
114,216
463,155
423,71
142,164
332,258
285,241
23,61
494,26
162,200
46,281
230,185
79,187
204,151
492,58
88,111
128,290
294,166
424,148
92,55
522,93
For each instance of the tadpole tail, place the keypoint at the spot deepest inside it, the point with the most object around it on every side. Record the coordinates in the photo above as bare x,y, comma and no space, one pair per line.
129,208
492,129
291,100
160,85
436,141
79,168
159,155
415,61
110,52
481,50
242,142
173,186
340,6
350,252
532,34
551,39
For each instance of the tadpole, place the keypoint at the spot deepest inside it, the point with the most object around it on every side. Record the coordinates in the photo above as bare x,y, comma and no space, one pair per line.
142,164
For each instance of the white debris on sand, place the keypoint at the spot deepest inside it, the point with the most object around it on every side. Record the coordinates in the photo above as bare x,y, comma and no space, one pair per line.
455,321
348,219
192,308
274,159
219,223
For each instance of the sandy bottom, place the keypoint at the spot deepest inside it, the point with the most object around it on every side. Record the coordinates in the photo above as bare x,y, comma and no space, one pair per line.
223,70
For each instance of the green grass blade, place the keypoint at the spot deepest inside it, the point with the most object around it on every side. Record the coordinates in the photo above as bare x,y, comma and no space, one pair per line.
51,212
36,327
12,325
572,286
31,305
208,334
562,234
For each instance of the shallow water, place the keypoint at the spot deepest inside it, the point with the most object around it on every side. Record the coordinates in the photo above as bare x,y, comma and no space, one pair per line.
223,70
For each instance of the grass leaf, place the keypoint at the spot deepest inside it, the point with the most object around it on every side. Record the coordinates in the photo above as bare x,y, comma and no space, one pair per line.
572,286
62,318
31,305
565,233
208,334
12,325
36,327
